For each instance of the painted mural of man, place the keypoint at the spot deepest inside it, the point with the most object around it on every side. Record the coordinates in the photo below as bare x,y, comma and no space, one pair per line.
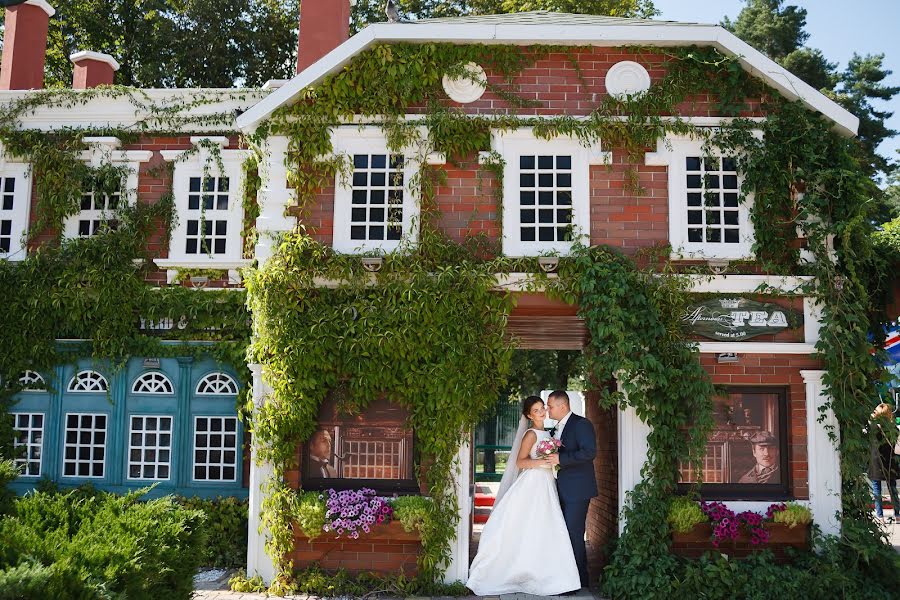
320,455
765,451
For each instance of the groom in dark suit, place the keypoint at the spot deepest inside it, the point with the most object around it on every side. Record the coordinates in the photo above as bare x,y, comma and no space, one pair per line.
575,481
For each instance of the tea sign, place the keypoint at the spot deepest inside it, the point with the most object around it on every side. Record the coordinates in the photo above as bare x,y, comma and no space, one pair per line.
736,319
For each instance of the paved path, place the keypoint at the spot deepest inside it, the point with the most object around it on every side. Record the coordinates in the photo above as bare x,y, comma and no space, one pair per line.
226,595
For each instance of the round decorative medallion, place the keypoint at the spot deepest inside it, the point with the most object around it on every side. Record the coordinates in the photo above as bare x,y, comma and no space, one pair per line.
469,88
627,78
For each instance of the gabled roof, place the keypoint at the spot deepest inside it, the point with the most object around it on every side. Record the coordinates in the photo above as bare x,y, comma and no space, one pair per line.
532,28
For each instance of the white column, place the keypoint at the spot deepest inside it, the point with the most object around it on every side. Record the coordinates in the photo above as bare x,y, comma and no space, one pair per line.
458,570
824,469
633,433
258,562
812,316
274,198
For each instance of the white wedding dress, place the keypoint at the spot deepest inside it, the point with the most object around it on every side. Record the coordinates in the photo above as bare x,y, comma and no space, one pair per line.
525,546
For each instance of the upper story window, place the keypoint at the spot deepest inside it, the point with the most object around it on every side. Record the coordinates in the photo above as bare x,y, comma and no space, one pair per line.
15,204
546,200
375,207
88,381
216,384
152,383
32,381
98,209
207,186
707,215
100,200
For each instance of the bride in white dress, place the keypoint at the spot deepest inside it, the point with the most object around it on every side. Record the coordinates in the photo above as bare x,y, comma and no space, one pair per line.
524,546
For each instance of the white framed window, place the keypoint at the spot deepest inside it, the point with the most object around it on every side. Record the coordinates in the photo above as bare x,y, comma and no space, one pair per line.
707,217
150,447
84,452
217,384
88,382
98,208
375,207
546,196
28,442
15,207
32,381
215,449
153,382
207,185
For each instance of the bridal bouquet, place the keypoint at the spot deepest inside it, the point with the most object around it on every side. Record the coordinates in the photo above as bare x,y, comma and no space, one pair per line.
548,447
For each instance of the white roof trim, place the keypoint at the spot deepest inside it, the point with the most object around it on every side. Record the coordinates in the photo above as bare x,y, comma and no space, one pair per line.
98,56
789,85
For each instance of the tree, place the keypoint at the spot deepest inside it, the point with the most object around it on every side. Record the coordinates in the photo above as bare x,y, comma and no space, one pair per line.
779,32
182,43
372,11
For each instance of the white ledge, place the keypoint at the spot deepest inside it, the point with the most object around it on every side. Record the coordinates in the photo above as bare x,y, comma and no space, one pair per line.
756,347
98,56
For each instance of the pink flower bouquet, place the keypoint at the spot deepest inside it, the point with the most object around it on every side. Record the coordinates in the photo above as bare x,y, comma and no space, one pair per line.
547,447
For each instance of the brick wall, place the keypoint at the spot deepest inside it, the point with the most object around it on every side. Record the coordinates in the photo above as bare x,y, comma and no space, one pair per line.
777,370
602,520
387,549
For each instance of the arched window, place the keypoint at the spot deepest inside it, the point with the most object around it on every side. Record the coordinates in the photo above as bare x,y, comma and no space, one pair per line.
153,382
88,381
32,381
217,384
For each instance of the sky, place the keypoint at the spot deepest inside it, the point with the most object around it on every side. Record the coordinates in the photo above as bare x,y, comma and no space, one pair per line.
837,28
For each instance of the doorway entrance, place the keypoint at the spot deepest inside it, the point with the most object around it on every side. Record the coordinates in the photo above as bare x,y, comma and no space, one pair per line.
550,339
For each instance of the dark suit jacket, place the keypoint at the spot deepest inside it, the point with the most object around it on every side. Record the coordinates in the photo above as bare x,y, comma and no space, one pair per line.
576,480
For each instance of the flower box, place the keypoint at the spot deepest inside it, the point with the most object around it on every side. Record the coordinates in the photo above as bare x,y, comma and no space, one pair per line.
386,549
389,531
779,535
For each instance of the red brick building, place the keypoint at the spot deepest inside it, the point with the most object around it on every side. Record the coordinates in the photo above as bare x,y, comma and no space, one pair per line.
550,189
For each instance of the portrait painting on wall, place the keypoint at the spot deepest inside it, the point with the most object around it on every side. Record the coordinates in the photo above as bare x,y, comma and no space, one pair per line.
746,453
370,449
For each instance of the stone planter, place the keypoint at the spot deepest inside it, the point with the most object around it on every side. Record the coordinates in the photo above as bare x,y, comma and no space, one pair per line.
386,549
694,543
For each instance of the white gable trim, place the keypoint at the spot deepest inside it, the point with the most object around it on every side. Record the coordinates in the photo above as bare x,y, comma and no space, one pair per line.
789,85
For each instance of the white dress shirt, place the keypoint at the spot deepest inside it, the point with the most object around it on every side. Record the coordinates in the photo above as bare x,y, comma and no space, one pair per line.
561,424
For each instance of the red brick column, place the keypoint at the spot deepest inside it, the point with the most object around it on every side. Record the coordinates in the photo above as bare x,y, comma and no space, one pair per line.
603,518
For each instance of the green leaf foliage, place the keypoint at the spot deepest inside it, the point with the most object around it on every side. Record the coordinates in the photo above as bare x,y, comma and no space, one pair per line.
77,545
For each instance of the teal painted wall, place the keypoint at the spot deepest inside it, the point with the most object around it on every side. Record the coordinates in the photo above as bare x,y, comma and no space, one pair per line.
119,405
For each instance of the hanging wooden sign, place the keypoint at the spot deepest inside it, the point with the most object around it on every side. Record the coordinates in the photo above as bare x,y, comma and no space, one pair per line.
735,319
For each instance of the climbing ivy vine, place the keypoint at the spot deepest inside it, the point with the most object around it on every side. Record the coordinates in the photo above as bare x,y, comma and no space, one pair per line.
433,314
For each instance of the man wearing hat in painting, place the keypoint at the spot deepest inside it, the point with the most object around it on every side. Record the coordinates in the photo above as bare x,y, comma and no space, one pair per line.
765,451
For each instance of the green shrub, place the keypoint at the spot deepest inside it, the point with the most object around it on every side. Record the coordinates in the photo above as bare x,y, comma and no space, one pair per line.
8,472
226,528
239,583
833,571
310,514
27,580
684,514
411,511
793,515
102,546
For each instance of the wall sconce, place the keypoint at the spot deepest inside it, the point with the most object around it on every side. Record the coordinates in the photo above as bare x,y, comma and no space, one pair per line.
727,357
717,266
372,264
548,264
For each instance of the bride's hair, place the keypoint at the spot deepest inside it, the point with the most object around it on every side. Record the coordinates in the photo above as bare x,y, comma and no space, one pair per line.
528,402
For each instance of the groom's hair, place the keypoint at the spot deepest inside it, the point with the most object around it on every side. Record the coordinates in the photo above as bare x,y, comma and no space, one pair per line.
560,395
